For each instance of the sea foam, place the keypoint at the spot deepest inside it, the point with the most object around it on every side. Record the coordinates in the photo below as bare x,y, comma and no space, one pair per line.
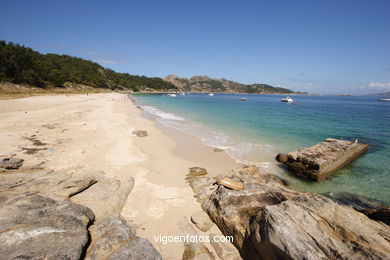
240,151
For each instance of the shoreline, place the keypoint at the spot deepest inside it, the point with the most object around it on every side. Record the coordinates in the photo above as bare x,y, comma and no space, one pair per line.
87,142
264,152
86,134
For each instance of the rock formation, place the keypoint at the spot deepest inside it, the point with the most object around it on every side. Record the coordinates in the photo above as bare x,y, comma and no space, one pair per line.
59,215
323,159
114,239
270,221
37,227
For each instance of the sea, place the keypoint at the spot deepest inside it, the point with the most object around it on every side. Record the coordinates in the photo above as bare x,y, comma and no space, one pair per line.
255,130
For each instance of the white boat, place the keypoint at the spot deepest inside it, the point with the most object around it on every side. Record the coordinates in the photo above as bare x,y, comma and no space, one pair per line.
211,94
383,99
171,95
242,99
183,94
287,99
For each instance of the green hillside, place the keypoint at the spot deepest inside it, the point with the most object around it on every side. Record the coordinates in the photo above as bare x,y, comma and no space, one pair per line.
22,65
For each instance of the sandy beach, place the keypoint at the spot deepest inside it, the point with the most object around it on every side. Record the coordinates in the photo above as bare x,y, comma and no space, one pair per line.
90,133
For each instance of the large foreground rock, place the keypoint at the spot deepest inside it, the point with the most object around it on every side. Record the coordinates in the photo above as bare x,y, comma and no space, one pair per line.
114,239
270,221
311,226
39,217
37,227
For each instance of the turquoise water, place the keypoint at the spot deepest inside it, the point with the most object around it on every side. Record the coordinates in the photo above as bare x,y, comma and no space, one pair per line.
255,130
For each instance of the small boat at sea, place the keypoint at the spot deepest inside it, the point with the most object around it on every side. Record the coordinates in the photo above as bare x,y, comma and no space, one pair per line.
171,95
287,99
242,99
183,94
383,99
211,94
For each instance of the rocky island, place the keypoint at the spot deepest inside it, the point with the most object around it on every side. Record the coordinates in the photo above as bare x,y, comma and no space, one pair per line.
207,84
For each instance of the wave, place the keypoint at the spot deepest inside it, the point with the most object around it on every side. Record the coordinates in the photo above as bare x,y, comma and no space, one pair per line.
240,150
159,113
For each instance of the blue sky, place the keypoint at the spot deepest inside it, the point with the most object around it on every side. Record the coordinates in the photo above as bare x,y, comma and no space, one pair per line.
320,46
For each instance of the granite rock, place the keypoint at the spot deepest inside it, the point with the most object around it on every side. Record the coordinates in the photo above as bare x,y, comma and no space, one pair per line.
114,239
270,221
37,227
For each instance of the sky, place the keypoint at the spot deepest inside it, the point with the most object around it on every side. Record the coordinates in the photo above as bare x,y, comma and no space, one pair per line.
319,46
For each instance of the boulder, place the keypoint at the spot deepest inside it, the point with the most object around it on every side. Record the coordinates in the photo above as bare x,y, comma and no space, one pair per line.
231,210
40,206
10,163
114,239
36,227
201,221
140,133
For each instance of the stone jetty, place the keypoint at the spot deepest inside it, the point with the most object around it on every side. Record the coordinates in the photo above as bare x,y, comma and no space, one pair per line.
323,159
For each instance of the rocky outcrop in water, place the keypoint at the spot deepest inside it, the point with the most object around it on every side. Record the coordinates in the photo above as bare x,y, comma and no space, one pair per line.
323,159
270,221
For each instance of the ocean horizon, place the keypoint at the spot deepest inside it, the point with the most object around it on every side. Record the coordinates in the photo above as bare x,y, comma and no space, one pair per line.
255,130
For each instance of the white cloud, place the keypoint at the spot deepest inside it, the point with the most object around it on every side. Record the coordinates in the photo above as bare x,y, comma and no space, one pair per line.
382,86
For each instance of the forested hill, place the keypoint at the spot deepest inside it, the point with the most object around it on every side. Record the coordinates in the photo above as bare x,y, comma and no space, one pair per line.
22,65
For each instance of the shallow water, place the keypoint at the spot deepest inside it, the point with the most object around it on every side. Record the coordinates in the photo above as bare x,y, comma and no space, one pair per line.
257,129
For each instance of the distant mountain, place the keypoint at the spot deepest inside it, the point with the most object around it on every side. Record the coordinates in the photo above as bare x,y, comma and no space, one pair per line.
22,65
207,84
